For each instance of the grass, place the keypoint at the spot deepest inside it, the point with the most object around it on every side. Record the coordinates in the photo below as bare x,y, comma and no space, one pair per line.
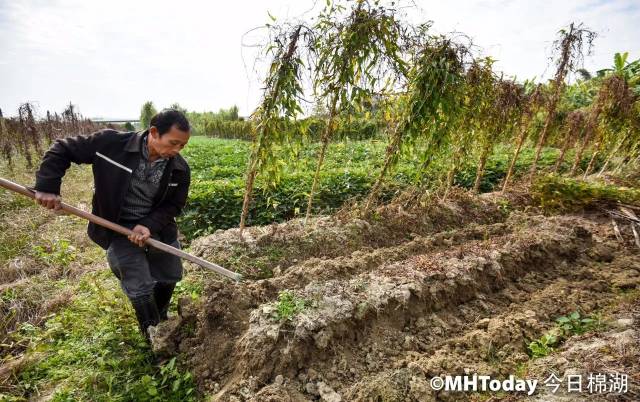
24,221
58,252
93,350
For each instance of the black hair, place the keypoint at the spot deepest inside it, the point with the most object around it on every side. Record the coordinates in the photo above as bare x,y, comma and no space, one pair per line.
167,118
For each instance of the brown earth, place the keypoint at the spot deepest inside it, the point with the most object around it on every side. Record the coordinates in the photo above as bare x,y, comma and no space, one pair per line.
382,306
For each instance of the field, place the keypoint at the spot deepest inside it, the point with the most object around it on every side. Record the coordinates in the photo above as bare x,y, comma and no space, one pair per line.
349,173
400,211
368,309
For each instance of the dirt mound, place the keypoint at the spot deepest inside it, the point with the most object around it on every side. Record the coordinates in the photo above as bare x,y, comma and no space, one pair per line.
268,251
375,319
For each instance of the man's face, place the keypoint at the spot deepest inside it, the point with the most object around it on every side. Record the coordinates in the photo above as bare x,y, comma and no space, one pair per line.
170,143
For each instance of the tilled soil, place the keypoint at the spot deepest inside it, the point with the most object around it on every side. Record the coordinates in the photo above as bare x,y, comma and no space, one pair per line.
378,319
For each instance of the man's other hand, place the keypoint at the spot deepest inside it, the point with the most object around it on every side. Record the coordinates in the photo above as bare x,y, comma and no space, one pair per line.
140,235
48,200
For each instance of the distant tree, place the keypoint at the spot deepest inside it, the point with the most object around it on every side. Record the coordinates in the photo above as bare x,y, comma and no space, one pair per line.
146,113
233,113
227,114
128,126
584,74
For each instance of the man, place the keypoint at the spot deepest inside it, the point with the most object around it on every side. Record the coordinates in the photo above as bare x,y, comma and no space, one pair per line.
140,182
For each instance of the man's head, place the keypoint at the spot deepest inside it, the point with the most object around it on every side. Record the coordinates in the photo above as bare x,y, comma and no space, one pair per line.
169,132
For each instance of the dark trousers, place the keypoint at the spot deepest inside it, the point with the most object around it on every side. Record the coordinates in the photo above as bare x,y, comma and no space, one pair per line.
140,268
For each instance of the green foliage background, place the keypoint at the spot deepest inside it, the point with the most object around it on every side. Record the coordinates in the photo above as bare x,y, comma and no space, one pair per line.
217,182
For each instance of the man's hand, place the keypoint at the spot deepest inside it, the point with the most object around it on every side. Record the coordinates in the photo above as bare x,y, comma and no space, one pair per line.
140,235
48,200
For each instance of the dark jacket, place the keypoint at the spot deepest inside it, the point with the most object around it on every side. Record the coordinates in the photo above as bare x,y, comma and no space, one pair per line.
114,156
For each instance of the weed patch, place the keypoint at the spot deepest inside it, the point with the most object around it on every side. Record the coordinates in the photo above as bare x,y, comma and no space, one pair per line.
566,326
92,350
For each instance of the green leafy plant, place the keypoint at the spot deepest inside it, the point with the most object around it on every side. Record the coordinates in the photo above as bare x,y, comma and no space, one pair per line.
543,346
354,54
427,113
280,104
350,171
574,324
566,326
191,288
289,305
169,385
181,384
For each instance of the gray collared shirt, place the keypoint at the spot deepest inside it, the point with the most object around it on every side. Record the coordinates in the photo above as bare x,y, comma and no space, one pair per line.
145,182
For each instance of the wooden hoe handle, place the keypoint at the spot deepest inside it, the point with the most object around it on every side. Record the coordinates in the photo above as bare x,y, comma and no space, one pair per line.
123,230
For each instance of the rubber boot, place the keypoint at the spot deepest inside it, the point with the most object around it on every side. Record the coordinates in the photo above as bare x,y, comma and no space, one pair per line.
146,313
163,292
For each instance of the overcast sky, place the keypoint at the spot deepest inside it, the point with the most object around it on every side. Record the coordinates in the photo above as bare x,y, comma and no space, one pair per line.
108,57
